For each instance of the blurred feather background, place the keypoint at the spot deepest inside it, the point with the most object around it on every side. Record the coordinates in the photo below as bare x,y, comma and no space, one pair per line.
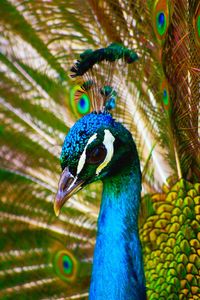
44,257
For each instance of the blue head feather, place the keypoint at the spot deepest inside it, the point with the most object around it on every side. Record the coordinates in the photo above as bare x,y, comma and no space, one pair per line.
79,134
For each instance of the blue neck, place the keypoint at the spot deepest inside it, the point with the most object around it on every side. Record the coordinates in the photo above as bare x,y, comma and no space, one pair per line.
117,268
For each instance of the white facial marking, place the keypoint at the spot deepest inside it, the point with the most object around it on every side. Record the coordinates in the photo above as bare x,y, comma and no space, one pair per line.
83,155
74,180
108,143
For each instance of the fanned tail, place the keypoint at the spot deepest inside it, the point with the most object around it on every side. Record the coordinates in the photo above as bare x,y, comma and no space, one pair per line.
158,102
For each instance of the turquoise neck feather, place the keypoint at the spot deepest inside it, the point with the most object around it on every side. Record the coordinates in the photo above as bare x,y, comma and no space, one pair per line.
117,267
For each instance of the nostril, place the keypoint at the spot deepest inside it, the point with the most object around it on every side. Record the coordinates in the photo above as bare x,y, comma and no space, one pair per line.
68,182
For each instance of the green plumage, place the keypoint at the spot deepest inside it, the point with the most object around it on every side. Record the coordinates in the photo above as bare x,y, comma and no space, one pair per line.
112,53
171,243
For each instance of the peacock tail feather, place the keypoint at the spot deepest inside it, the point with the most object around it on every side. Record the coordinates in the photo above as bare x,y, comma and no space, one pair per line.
44,257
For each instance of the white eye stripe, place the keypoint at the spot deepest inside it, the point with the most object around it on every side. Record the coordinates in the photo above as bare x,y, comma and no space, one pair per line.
108,143
82,159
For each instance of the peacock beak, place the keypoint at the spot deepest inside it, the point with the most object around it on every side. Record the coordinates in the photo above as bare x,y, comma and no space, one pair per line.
68,185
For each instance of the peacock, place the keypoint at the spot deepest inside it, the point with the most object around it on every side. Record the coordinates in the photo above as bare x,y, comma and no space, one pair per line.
99,148
132,103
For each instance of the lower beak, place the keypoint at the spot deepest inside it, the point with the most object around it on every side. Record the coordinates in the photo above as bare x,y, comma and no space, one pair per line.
68,185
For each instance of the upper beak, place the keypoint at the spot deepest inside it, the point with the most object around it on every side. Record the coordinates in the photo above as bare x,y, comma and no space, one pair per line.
67,186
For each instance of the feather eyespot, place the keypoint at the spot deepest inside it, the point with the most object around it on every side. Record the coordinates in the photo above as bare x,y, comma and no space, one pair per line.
161,19
161,22
65,265
97,155
165,95
79,101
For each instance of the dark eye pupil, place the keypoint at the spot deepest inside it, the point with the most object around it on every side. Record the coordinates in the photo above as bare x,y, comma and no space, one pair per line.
96,152
97,155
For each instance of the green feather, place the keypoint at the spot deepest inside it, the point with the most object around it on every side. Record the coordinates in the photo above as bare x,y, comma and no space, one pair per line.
112,53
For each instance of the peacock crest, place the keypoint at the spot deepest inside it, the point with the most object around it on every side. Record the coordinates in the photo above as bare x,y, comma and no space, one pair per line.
97,76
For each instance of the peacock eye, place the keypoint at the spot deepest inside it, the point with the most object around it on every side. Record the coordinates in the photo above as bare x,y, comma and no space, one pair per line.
97,155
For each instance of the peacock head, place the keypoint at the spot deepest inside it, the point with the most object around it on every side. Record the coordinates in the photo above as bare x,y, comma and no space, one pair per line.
96,147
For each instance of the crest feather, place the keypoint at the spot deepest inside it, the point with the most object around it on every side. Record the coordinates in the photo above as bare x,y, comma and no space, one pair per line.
98,71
